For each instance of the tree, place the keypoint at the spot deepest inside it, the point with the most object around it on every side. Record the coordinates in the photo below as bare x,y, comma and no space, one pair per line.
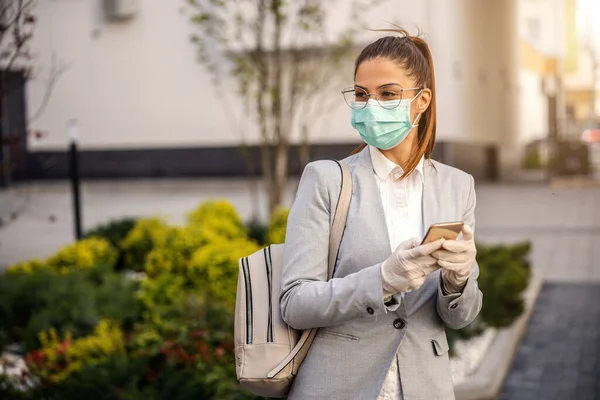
17,24
278,55
16,29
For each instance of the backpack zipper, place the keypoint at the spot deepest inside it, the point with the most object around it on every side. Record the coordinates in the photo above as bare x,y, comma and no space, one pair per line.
248,286
270,283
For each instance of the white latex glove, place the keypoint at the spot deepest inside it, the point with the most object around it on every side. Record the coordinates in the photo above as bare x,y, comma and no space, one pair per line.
457,259
408,267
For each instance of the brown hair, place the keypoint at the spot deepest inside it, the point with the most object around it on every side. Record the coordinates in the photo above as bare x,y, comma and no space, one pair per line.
413,54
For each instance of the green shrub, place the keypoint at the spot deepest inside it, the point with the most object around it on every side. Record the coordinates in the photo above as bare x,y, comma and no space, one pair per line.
146,235
214,267
114,231
186,240
94,254
532,160
504,275
503,278
164,261
26,267
86,254
214,220
70,302
172,331
60,357
155,377
257,232
161,300
277,226
273,232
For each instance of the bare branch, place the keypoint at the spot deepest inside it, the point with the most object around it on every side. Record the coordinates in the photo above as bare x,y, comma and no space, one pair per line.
21,27
56,72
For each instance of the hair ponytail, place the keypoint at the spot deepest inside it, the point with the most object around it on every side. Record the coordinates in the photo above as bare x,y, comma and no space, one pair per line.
428,121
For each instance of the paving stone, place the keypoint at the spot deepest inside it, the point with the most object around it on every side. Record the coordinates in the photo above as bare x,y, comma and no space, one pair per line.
585,395
558,357
546,392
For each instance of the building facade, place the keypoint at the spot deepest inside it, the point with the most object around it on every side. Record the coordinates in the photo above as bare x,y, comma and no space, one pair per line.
145,107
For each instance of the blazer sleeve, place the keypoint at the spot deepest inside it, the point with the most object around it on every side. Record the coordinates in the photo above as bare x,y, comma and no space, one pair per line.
307,299
458,310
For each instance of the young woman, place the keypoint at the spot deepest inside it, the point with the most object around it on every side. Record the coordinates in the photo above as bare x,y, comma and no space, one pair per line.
382,316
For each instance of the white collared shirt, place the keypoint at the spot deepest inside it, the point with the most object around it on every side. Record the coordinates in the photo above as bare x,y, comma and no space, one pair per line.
403,210
401,199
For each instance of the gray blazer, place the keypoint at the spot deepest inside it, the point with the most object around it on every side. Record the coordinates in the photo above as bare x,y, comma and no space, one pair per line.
359,336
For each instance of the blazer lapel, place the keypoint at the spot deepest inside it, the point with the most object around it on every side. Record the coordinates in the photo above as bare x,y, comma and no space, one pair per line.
370,195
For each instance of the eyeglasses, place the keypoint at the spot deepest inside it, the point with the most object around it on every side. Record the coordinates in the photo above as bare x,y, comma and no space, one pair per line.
388,96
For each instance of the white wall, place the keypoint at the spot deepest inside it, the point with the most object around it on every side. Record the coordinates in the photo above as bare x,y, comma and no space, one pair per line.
138,84
130,84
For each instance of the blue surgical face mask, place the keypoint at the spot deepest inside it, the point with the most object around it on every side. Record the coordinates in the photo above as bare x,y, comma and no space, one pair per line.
381,127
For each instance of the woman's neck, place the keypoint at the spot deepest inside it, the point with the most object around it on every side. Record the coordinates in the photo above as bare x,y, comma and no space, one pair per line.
400,154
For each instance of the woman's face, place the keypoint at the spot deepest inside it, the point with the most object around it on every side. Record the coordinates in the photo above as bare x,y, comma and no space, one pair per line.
374,74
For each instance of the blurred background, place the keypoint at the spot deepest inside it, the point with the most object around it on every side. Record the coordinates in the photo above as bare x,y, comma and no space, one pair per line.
146,146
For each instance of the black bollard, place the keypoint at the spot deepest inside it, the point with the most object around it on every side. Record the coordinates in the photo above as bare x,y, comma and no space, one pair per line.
74,178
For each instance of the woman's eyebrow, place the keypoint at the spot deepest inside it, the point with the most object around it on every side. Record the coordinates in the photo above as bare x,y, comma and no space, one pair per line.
384,85
390,84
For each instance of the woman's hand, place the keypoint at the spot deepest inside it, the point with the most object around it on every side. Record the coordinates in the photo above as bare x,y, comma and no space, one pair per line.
457,259
408,267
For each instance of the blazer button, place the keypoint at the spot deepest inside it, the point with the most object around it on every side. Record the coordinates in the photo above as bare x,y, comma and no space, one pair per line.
454,305
370,310
399,323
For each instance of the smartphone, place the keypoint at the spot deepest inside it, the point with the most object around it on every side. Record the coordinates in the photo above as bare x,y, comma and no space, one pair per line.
448,231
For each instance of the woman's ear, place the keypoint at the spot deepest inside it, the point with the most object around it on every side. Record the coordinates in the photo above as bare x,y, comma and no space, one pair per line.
423,101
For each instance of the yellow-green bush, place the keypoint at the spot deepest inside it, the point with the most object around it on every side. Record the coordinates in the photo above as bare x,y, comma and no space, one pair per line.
58,358
26,267
186,240
86,254
164,260
216,219
214,267
162,298
277,226
147,234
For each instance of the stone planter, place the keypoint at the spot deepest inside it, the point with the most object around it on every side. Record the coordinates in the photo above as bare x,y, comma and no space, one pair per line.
485,382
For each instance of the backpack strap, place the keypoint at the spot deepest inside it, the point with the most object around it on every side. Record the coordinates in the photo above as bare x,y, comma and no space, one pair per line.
335,239
339,218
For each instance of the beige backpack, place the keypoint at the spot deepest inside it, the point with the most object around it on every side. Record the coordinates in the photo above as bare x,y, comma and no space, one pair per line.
268,351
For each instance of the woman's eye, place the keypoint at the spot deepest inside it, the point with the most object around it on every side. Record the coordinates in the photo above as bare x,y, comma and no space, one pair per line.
360,95
390,95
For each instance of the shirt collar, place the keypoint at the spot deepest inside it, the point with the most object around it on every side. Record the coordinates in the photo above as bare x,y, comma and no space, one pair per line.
384,167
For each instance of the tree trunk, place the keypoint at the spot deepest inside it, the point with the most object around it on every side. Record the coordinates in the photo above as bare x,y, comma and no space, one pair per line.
281,147
4,151
281,174
304,149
